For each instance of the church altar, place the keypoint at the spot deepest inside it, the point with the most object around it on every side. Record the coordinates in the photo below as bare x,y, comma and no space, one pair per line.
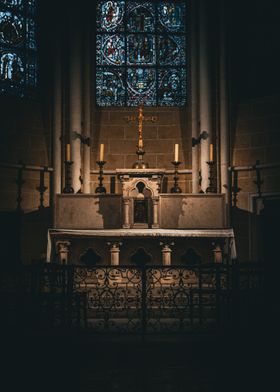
141,224
116,246
164,227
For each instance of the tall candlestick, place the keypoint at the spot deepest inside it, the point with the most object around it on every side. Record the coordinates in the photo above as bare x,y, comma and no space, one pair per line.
68,152
211,153
101,154
176,157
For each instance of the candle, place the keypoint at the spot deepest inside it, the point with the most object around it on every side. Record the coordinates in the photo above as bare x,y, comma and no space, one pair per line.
176,158
68,152
211,152
101,156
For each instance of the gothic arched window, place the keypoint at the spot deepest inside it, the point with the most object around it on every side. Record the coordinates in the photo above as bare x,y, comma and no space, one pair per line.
141,53
18,59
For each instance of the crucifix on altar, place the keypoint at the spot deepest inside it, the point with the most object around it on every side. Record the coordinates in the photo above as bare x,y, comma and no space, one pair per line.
140,164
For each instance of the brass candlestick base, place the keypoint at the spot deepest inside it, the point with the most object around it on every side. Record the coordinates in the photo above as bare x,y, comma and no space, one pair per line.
100,188
140,164
68,188
176,188
211,188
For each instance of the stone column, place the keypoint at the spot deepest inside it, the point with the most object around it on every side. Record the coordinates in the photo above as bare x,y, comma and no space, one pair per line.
115,252
126,212
218,253
75,103
166,252
204,94
194,100
155,224
224,118
62,248
57,123
87,111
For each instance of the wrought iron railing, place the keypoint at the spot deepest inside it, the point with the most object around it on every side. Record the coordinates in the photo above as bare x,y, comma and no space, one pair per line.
44,182
134,299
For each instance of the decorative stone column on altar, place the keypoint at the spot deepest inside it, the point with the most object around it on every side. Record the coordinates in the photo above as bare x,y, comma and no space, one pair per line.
155,224
166,252
140,189
62,248
115,252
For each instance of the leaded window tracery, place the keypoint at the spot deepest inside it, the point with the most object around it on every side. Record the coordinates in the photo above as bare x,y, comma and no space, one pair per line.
18,57
141,53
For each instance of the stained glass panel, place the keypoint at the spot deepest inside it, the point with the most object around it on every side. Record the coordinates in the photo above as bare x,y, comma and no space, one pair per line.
110,15
172,87
171,50
12,3
110,90
141,49
11,67
110,49
11,28
141,53
141,86
171,16
18,57
141,17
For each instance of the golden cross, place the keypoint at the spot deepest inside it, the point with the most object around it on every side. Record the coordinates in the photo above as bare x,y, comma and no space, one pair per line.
140,118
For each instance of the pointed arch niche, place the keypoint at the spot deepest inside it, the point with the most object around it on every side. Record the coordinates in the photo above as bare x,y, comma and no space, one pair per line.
140,197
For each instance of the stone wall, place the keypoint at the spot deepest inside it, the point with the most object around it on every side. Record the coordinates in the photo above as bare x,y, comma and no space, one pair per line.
25,138
110,127
255,136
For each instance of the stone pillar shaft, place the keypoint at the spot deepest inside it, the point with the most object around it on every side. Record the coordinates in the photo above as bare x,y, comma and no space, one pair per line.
155,224
218,254
87,114
126,220
115,252
224,119
57,123
75,107
166,253
204,94
194,101
63,251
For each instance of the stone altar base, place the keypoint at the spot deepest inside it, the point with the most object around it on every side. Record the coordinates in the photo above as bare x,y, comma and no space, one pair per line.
140,246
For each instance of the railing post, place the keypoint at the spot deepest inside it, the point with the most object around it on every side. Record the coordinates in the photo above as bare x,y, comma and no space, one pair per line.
42,189
199,295
144,299
69,273
235,282
218,294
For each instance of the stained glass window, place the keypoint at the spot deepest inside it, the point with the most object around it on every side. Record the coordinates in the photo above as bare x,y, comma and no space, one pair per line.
18,59
141,53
